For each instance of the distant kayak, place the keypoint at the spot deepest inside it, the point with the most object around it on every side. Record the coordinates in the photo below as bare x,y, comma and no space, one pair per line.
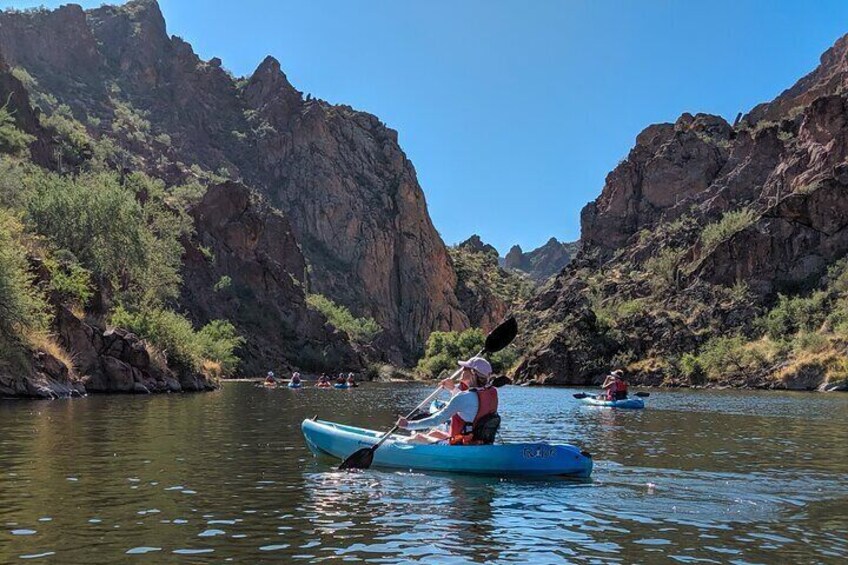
627,403
516,459
295,385
340,385
323,385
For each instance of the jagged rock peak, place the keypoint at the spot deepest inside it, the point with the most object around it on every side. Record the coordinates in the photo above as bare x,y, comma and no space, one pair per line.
474,243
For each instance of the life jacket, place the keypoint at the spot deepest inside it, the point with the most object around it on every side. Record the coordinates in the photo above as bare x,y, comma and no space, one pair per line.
618,390
471,433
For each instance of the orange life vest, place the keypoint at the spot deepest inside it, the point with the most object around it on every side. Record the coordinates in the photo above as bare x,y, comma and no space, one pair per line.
617,390
462,432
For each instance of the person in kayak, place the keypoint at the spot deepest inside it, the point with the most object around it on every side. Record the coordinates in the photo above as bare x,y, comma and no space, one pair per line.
269,378
295,378
615,385
351,380
323,380
472,412
341,380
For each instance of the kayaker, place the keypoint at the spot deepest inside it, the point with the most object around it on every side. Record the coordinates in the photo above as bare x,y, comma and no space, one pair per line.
471,412
351,381
340,380
323,380
269,378
615,385
295,378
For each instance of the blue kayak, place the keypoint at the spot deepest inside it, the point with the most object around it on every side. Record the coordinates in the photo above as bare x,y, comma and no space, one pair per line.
295,385
627,403
516,459
340,385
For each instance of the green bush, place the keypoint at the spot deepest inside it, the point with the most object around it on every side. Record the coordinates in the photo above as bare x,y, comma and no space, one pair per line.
362,330
22,306
692,369
69,280
795,314
730,223
664,268
128,247
219,341
174,335
12,140
444,349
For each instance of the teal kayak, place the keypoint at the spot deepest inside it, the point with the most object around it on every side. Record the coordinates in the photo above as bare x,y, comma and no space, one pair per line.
515,459
340,385
627,403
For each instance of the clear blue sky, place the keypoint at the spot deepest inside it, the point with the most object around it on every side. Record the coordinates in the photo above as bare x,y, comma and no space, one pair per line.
513,112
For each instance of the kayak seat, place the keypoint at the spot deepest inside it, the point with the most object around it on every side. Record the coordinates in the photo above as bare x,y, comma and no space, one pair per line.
486,429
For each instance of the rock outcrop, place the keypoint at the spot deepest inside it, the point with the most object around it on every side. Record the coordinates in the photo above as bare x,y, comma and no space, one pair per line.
115,360
544,262
339,175
244,265
695,233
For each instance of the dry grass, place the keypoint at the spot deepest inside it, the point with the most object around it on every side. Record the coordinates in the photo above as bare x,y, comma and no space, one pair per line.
827,364
212,369
48,344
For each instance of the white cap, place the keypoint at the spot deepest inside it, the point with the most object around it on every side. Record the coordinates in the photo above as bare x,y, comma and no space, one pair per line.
296,374
478,364
270,373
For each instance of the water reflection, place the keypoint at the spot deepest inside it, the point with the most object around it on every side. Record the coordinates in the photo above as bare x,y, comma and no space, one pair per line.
697,476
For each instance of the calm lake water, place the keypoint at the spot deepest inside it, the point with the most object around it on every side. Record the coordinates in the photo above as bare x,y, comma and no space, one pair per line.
698,477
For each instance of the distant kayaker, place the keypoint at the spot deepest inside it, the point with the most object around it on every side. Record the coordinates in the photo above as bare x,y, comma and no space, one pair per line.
471,412
351,380
323,380
340,380
615,385
295,378
269,378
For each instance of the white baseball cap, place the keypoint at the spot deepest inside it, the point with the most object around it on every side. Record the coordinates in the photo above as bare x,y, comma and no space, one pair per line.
478,364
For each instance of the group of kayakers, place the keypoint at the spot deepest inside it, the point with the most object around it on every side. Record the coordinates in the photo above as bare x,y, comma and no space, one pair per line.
347,380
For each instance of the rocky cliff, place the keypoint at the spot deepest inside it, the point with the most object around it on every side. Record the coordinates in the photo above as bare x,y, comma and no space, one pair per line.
339,176
544,262
692,238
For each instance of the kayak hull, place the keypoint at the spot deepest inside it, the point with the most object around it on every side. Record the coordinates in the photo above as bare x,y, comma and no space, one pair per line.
627,403
295,385
340,386
519,459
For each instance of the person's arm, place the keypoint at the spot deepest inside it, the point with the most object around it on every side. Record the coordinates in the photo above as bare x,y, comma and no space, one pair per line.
456,405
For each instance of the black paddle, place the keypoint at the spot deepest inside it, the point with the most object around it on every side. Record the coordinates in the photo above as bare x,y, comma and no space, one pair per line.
580,395
500,337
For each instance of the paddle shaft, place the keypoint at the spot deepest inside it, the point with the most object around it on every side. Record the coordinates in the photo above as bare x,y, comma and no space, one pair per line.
424,402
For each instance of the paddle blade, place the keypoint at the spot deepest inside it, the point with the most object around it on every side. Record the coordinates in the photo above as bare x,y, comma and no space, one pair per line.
500,381
580,395
501,336
361,459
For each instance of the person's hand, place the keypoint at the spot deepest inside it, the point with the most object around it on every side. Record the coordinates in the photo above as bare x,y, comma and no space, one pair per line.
447,384
402,423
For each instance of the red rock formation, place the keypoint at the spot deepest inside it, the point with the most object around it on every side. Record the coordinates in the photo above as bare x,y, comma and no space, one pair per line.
345,185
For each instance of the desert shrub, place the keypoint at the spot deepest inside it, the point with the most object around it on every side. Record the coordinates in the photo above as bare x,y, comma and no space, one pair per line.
362,330
23,308
793,314
219,341
444,349
128,247
690,366
12,139
70,281
665,267
730,223
173,334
